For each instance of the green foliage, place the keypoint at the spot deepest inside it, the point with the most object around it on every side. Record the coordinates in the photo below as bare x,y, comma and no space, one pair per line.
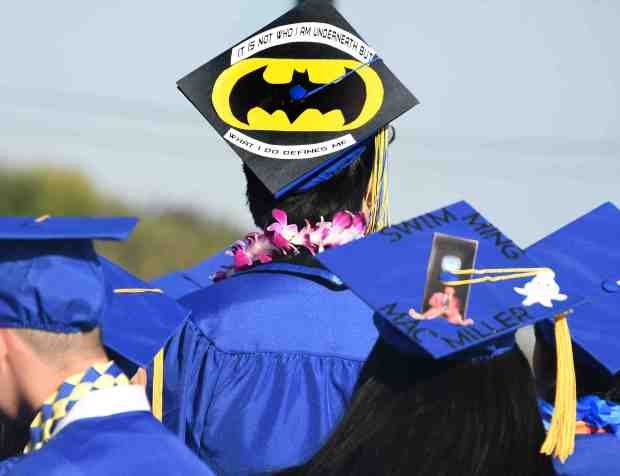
163,242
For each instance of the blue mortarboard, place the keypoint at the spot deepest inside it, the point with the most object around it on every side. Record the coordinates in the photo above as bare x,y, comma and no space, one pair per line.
299,100
586,253
51,279
139,318
50,276
468,285
180,283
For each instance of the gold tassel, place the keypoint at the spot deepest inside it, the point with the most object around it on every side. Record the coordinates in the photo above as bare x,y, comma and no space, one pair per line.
377,194
158,386
560,440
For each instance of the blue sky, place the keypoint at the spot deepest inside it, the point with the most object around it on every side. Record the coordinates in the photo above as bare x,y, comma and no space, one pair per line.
518,115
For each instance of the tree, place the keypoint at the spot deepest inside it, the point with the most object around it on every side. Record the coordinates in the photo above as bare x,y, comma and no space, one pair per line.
164,241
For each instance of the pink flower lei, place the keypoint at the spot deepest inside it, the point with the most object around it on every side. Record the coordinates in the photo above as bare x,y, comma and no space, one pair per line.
280,239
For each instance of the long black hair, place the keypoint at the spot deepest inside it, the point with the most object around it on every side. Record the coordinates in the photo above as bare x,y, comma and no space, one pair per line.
428,418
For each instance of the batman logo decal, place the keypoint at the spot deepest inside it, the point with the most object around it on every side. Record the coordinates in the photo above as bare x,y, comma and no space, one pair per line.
255,94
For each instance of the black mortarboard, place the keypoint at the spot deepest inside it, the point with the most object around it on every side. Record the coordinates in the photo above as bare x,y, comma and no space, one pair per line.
301,99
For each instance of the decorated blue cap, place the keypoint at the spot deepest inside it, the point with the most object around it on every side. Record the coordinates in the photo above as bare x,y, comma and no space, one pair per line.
449,284
51,279
586,253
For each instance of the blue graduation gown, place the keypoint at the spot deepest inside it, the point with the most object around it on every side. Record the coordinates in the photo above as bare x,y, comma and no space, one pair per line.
131,443
261,373
185,281
595,455
6,465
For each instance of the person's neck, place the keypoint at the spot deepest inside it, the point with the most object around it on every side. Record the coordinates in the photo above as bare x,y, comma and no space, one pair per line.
50,378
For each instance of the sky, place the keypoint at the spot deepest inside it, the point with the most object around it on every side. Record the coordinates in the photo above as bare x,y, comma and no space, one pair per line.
518,114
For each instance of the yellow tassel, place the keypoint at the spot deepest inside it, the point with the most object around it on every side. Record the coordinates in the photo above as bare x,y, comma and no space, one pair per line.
560,441
377,195
158,386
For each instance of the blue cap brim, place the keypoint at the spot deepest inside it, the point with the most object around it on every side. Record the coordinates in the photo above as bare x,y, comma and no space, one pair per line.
66,228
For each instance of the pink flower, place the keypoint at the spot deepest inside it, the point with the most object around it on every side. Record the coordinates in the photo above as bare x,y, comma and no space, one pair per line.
360,223
343,220
282,238
282,234
241,259
260,247
316,236
346,228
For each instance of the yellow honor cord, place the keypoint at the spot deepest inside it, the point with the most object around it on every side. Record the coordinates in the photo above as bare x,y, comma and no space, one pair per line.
42,218
516,274
490,279
560,440
500,270
158,386
137,291
377,194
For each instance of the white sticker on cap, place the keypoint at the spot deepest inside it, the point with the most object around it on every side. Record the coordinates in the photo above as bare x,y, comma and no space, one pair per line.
542,289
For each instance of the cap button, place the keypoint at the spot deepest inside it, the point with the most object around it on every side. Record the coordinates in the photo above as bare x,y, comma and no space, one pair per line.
612,285
297,92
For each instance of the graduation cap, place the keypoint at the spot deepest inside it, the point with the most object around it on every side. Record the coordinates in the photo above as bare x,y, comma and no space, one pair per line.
587,254
450,285
51,279
301,99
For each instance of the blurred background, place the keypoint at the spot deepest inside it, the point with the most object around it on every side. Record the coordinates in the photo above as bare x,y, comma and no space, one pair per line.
518,115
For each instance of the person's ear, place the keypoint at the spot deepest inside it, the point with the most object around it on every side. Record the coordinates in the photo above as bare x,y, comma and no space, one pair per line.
4,351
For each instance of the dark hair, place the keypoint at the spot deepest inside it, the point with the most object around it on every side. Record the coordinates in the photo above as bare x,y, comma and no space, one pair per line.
344,191
13,437
592,379
428,418
613,393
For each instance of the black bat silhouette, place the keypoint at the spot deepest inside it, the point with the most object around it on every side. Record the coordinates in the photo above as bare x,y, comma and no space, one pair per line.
250,91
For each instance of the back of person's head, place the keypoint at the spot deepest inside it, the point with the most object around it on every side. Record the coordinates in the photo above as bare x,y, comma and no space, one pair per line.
60,350
429,418
35,361
31,359
344,191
